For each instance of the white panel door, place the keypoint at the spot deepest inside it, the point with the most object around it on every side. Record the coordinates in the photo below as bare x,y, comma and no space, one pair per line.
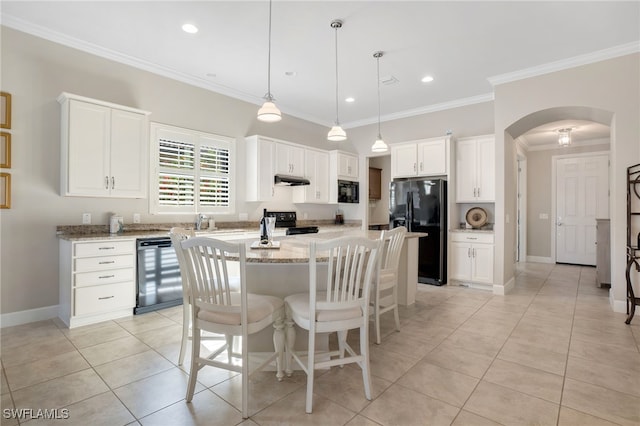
582,195
129,155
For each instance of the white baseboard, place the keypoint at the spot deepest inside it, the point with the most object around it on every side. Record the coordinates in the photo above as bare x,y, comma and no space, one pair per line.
617,305
539,259
501,290
30,315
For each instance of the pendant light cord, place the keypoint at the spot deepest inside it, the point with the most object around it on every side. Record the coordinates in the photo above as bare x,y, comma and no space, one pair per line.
378,67
268,95
336,39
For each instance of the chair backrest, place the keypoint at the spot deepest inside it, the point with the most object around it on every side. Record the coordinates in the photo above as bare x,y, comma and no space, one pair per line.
392,246
352,263
178,235
207,262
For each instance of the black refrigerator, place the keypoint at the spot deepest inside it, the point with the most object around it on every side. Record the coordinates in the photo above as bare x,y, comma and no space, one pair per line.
421,206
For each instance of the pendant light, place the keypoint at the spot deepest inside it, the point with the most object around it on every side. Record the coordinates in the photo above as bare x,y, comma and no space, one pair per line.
379,145
336,134
269,113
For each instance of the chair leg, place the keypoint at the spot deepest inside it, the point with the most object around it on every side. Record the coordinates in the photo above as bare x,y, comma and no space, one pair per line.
397,316
342,340
290,341
186,319
310,371
279,344
229,340
195,355
376,321
364,350
245,377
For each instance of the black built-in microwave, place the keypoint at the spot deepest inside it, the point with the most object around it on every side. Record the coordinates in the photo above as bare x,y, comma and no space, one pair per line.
348,191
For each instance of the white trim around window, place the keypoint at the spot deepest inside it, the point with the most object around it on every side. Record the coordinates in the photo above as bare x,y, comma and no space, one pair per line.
191,171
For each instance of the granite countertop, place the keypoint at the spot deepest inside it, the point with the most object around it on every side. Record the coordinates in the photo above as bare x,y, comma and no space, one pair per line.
132,231
480,230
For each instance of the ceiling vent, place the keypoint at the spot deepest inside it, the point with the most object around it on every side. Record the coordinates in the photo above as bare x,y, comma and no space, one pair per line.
388,80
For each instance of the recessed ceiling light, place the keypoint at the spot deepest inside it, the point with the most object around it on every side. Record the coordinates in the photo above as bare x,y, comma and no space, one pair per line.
350,99
189,28
427,79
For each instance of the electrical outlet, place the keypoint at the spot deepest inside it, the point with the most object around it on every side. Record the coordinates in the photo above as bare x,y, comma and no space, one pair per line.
136,218
86,218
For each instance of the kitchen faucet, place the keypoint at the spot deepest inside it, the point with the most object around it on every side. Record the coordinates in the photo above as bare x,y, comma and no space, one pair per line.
199,220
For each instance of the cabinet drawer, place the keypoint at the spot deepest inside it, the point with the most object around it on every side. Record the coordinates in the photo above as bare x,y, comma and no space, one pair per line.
86,264
472,237
109,276
102,298
103,248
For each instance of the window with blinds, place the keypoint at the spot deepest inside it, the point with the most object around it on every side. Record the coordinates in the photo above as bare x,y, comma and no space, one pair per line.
194,172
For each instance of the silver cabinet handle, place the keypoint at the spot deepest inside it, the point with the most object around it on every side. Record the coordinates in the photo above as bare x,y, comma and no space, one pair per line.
474,252
469,252
106,182
106,248
421,166
106,276
106,262
113,182
106,297
478,192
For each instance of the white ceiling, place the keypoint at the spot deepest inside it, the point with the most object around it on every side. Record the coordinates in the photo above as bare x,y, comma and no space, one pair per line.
463,45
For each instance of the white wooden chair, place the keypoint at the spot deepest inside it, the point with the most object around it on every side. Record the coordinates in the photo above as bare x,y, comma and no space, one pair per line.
340,306
178,235
216,308
385,296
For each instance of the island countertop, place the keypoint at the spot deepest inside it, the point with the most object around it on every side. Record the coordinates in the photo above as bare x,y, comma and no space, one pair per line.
295,249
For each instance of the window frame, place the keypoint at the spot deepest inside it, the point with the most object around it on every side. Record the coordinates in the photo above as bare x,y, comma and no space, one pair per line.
197,139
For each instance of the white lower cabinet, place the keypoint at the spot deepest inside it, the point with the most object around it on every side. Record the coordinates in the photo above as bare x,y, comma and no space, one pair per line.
472,257
97,280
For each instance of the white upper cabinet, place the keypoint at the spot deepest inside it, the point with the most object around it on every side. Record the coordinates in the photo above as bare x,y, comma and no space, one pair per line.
260,153
420,158
475,169
289,160
317,171
346,165
104,149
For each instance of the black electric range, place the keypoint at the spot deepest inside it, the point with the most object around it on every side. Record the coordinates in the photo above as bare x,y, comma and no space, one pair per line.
288,220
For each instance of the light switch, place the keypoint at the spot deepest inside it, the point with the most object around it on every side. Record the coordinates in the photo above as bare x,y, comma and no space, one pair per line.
86,218
136,218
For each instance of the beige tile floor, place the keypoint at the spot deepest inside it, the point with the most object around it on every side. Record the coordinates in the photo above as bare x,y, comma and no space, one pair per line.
550,353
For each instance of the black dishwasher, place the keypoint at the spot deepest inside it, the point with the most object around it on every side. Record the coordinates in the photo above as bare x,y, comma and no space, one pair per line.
158,283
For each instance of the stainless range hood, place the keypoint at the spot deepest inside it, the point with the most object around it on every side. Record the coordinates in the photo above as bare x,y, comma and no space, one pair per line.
284,180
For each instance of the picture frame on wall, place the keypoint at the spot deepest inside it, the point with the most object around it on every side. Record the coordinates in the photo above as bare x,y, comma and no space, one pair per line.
5,110
5,150
5,191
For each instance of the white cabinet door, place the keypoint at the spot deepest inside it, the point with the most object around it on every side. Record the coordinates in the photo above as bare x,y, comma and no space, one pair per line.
104,149
317,171
460,261
289,160
87,149
403,161
466,171
475,170
486,170
129,154
482,263
347,166
432,157
260,154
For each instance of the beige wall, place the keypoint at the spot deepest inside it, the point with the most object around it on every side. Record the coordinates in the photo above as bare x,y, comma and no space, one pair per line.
611,85
539,194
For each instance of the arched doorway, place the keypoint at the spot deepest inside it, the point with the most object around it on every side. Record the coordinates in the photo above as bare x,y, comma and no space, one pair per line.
537,154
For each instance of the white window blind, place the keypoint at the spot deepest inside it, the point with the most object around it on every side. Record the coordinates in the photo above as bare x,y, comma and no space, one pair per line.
194,171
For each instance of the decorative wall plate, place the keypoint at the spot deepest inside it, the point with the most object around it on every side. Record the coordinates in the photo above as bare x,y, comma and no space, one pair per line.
477,217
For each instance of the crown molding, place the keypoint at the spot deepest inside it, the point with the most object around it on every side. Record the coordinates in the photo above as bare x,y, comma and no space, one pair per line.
487,97
589,58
